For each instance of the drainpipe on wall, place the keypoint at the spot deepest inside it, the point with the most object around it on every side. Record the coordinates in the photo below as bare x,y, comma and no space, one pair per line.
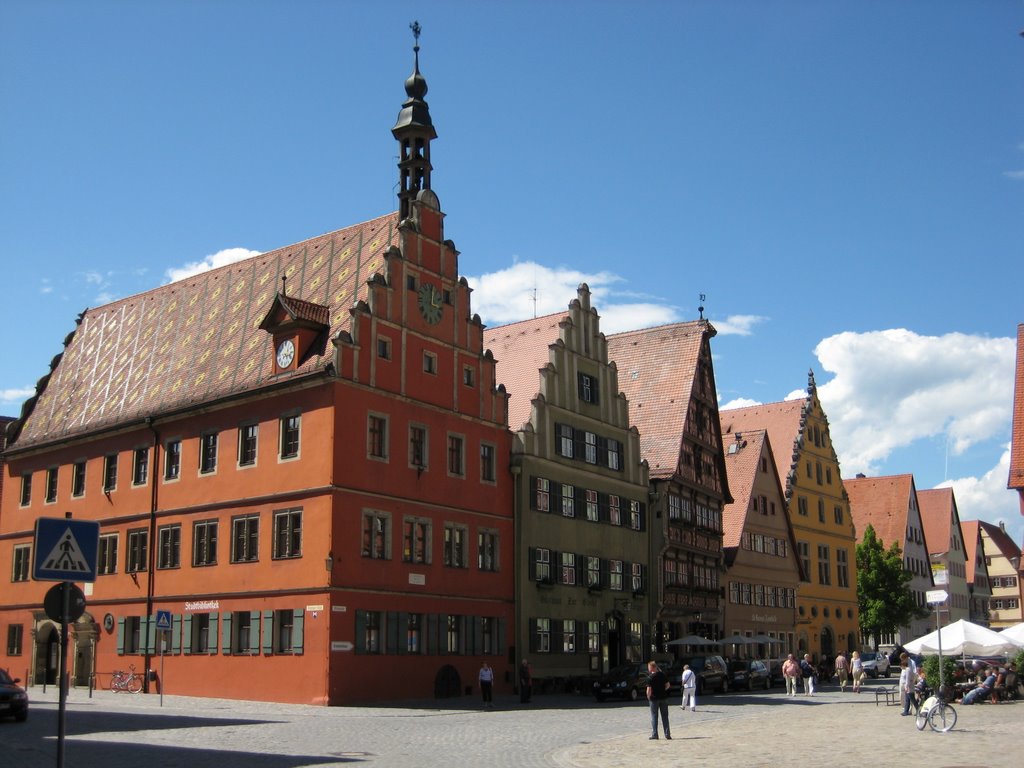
151,553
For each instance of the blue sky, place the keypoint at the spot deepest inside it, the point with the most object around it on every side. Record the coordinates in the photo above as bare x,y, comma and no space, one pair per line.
842,181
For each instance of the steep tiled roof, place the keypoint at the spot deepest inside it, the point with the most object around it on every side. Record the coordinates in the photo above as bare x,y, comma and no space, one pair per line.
781,420
969,528
521,349
1001,539
1016,479
741,465
657,367
883,503
936,508
199,339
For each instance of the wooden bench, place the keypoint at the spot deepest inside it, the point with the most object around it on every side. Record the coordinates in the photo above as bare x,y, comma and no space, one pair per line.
890,693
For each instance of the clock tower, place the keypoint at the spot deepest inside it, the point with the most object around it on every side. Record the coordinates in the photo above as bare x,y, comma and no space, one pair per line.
414,132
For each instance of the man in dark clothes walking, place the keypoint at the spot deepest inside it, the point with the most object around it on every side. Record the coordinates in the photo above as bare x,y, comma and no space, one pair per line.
657,695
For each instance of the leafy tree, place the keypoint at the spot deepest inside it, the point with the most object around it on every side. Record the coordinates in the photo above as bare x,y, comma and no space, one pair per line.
884,597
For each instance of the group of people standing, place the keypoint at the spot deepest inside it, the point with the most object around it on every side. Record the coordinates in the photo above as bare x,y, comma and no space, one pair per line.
796,671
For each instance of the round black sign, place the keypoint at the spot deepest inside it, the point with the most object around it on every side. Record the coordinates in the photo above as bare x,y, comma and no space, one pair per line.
53,603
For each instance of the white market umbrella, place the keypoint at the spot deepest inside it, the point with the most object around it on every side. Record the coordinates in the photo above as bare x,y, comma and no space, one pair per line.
767,640
964,638
1016,632
737,639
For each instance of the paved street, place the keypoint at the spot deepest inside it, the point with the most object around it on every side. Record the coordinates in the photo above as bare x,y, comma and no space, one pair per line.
738,730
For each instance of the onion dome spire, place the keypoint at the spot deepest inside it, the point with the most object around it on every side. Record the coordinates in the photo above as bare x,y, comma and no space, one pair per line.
414,132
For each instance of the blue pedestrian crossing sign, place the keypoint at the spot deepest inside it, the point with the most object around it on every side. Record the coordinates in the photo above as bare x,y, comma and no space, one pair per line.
65,549
163,619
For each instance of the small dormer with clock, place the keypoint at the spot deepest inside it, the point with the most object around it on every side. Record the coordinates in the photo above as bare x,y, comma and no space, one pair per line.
298,329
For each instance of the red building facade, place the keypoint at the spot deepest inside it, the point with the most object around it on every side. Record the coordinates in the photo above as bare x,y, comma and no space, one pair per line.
302,457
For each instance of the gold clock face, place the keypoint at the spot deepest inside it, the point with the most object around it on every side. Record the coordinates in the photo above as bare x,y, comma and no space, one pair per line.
430,303
285,353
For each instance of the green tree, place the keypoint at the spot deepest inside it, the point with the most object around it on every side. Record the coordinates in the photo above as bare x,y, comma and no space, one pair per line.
883,588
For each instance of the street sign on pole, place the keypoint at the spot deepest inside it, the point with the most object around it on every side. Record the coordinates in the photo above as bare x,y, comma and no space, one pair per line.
934,596
65,549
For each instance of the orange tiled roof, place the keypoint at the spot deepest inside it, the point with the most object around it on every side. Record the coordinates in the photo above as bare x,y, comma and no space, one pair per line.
199,339
783,422
936,507
1016,478
1001,539
884,504
521,349
741,466
656,368
969,528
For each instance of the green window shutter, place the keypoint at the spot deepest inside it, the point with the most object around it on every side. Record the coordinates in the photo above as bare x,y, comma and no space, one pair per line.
225,633
186,635
432,633
254,632
176,634
391,632
476,633
531,562
360,631
442,634
150,633
268,632
120,636
402,622
299,617
533,635
499,649
212,645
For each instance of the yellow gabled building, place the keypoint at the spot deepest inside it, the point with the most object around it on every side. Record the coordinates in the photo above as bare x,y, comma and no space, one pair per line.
819,513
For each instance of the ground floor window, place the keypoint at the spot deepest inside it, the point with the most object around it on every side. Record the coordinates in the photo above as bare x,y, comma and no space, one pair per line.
15,635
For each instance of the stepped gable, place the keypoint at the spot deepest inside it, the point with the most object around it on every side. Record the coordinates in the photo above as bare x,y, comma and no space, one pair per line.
936,508
199,339
520,350
883,503
784,420
741,465
1016,477
657,368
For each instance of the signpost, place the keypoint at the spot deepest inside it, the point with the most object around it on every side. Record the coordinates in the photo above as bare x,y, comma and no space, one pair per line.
65,550
937,597
163,626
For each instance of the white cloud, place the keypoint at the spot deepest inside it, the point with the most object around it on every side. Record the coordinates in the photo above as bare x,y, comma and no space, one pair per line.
739,402
894,387
1015,175
737,325
219,259
16,396
987,498
528,289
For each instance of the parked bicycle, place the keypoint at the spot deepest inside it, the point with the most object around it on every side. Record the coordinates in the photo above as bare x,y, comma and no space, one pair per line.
126,681
937,713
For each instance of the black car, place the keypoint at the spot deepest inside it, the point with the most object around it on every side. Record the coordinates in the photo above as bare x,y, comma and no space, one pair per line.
711,672
13,699
748,674
627,681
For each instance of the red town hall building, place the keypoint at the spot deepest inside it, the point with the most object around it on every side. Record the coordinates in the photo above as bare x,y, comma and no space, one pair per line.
302,457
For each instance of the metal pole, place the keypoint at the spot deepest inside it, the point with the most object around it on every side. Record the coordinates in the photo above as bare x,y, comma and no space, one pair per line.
62,670
938,627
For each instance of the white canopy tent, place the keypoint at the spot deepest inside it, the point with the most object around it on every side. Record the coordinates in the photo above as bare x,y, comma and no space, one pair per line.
1015,632
964,638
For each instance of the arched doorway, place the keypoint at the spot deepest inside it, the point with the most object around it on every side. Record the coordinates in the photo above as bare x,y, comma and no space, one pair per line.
81,661
447,683
828,643
47,652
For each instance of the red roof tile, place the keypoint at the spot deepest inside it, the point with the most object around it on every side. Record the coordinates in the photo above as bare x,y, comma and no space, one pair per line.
936,507
657,367
969,528
884,504
1001,539
783,422
194,340
742,466
521,350
1016,478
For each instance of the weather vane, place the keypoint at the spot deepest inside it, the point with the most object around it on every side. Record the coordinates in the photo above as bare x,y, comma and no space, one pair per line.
416,28
701,307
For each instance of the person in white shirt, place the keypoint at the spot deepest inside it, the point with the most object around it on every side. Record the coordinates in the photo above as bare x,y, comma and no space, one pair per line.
689,682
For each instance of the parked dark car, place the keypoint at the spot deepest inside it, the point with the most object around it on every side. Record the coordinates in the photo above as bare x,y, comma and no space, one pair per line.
13,699
748,674
627,681
711,672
